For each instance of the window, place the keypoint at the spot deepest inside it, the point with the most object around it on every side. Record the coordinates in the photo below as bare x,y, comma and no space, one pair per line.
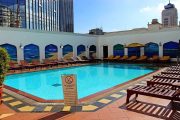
171,49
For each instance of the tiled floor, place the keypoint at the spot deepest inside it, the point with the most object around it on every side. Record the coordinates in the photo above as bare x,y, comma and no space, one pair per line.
156,109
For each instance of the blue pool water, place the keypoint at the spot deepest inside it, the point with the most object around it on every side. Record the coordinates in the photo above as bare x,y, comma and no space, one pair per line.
90,79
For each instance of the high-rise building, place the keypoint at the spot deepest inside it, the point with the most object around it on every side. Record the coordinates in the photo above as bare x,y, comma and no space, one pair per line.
169,16
4,16
49,15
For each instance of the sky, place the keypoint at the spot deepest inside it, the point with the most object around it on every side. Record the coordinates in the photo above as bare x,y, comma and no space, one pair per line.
117,15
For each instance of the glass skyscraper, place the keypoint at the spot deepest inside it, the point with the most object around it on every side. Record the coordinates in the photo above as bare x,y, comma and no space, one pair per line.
49,15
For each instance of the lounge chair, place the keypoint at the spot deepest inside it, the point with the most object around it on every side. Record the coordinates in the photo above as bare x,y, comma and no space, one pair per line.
125,57
85,58
49,62
167,83
108,58
132,58
167,76
14,66
26,65
153,92
165,59
68,60
76,60
94,59
142,59
154,58
115,58
80,59
173,69
164,83
62,62
37,63
177,67
171,72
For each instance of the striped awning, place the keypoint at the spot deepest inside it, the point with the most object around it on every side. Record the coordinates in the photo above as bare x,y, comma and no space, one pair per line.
134,45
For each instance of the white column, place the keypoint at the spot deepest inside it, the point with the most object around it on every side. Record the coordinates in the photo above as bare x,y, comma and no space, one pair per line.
110,50
20,54
74,51
98,51
160,51
59,52
42,52
141,51
87,51
125,51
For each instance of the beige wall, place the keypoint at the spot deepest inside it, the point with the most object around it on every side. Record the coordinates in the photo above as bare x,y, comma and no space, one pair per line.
138,36
42,39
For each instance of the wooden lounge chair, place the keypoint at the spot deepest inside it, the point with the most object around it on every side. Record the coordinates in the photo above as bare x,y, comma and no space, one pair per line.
80,59
132,58
94,59
70,61
164,83
49,63
168,76
174,69
142,59
85,58
14,66
37,63
76,60
153,92
26,65
175,66
125,57
165,59
155,58
58,62
171,72
115,58
108,58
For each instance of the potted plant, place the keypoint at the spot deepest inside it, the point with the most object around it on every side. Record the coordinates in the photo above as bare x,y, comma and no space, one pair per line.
4,65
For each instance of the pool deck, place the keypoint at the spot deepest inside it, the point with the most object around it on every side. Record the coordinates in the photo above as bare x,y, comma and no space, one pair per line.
148,109
107,106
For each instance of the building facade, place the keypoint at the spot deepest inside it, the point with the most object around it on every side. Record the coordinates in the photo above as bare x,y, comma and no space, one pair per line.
4,16
170,16
29,45
48,15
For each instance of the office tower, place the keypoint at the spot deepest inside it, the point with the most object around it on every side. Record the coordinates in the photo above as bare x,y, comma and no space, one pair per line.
169,16
49,15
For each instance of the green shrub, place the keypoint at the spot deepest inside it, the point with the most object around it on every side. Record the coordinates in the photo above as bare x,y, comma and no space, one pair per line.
4,64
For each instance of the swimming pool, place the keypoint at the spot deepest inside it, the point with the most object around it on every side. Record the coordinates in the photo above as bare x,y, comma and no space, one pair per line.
90,79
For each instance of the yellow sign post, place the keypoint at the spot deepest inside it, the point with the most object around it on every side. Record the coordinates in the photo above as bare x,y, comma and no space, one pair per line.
70,90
